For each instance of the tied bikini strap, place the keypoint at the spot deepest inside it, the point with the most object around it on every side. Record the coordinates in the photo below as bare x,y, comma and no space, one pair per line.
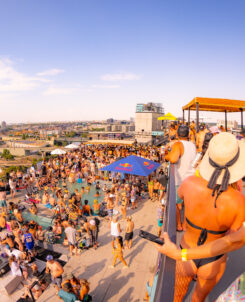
204,232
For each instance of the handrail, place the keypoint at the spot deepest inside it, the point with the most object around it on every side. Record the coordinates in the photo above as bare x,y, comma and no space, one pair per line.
166,274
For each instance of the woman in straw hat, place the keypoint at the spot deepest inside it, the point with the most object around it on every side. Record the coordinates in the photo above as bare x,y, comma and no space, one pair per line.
213,206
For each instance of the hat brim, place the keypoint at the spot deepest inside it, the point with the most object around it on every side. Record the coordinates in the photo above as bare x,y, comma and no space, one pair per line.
236,171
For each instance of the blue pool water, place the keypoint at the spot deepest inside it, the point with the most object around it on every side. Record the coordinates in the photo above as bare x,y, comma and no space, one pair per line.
45,222
89,196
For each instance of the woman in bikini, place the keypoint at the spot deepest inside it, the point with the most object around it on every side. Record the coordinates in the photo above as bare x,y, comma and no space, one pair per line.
150,187
212,208
118,253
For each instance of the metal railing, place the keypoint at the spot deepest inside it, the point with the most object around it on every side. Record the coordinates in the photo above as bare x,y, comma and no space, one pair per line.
160,141
166,266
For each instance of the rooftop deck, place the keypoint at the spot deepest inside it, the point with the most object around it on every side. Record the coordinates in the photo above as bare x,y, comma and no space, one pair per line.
118,284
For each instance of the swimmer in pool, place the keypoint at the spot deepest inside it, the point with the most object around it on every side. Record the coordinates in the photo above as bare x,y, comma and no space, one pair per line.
97,194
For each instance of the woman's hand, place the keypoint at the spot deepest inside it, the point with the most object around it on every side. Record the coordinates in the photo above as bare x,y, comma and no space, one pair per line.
169,248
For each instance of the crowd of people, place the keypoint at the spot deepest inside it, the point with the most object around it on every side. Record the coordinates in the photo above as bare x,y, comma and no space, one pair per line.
209,168
78,195
63,185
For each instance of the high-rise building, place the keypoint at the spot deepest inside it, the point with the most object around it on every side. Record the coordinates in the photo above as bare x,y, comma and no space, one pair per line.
146,117
4,125
146,120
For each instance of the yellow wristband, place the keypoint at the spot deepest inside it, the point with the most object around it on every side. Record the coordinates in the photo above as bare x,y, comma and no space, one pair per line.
184,254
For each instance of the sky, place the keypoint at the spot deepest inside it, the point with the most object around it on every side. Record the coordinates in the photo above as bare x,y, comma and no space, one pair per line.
65,60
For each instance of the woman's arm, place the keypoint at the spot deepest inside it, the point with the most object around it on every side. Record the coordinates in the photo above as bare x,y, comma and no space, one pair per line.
226,244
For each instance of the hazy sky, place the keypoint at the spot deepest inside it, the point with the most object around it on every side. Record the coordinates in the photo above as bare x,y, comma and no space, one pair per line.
88,59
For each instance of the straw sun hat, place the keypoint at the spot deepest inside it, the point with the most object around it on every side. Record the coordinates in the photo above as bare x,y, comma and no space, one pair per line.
228,154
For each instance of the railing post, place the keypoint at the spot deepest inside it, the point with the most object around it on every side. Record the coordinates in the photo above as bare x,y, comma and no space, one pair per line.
166,274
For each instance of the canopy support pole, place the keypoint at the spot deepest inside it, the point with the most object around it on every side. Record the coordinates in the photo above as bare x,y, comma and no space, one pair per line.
189,116
183,116
197,116
241,118
226,121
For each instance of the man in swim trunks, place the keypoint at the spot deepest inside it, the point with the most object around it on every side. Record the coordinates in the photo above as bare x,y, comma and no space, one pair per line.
129,232
156,185
56,271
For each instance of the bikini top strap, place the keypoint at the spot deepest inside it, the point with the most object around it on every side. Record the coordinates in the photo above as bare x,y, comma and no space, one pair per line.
204,232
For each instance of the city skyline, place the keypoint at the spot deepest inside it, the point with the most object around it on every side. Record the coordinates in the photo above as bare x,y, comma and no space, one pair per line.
78,60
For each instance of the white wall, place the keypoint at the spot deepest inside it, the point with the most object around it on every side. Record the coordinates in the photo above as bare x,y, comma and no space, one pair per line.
147,121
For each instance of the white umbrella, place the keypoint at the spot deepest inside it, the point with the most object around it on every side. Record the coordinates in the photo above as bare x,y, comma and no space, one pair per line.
71,146
58,152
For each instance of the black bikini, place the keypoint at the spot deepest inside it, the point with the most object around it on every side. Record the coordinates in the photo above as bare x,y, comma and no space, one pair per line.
217,189
204,232
201,240
201,262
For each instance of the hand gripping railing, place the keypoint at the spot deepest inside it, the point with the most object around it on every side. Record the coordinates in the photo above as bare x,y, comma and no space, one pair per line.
166,268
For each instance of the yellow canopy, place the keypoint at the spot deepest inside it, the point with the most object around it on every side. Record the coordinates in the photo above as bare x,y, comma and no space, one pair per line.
216,105
167,117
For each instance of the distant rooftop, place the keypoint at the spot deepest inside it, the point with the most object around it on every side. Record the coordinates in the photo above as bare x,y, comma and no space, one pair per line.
27,142
150,107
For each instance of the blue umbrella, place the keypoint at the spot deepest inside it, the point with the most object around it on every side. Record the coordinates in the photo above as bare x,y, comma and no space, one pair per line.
133,165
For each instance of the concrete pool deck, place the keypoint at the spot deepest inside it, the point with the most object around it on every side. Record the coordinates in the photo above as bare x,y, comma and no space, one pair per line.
108,284
116,284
